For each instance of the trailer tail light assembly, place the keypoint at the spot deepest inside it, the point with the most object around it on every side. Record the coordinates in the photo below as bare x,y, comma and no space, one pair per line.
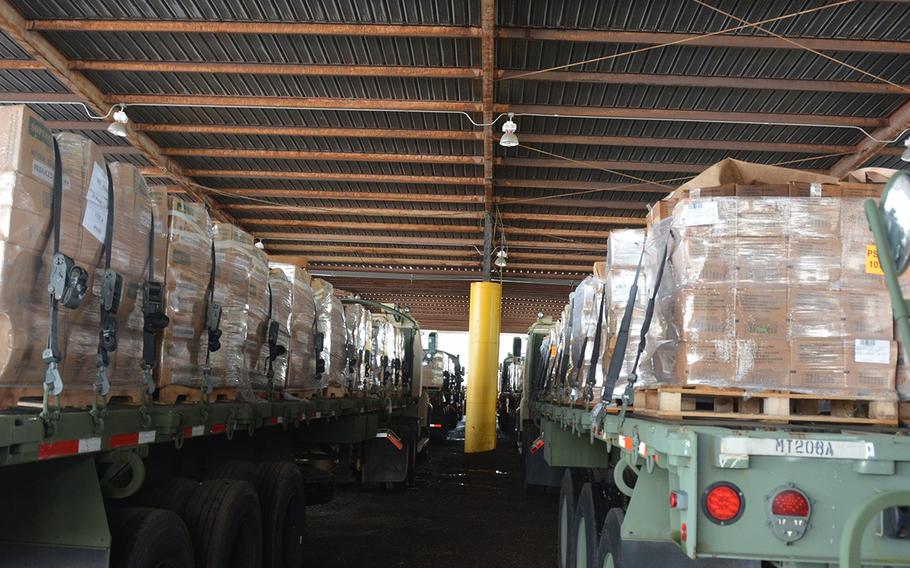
723,503
788,512
679,500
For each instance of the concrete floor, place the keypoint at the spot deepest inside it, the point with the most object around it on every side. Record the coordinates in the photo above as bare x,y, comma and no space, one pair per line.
465,511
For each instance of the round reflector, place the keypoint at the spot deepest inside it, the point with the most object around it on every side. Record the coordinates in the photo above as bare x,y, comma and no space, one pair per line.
723,503
790,503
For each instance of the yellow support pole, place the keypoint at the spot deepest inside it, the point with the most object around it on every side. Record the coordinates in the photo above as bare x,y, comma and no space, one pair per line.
483,337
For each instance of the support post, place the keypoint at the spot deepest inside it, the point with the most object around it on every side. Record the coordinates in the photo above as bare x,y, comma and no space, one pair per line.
483,333
487,246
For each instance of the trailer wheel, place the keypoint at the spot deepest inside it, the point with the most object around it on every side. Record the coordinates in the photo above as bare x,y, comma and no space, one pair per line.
609,550
231,469
568,496
589,515
149,538
281,494
171,495
225,522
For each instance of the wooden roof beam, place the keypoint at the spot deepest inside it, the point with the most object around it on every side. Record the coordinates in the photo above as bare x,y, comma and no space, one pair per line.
328,156
400,252
897,124
602,165
18,28
593,186
281,237
326,176
230,101
488,64
312,132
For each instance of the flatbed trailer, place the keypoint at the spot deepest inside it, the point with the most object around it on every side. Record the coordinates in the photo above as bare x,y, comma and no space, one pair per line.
665,470
58,490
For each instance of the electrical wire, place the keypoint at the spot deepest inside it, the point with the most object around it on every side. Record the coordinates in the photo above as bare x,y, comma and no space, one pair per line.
67,103
679,41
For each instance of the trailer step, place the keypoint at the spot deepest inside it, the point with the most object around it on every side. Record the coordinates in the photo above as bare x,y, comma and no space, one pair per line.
178,394
31,397
675,402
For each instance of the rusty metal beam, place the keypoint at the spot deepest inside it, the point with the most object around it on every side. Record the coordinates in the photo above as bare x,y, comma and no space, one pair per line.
252,28
710,82
41,50
601,165
313,132
632,186
897,124
293,102
405,253
22,65
693,115
323,225
731,41
329,156
554,272
579,203
365,211
343,195
319,236
278,69
329,176
78,125
557,218
488,63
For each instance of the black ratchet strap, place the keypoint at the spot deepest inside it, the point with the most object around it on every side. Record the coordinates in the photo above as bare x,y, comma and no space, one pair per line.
111,292
591,377
154,318
622,335
212,324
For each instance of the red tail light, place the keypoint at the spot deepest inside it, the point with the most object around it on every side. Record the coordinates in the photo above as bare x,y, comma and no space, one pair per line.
723,503
790,503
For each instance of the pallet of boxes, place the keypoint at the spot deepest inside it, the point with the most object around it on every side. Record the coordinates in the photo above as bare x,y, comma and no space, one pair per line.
768,309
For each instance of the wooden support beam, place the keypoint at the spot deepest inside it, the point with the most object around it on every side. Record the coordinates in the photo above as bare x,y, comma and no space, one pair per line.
405,253
329,176
253,28
280,238
557,218
42,51
277,69
357,211
898,123
693,115
488,63
229,101
708,82
322,225
601,165
723,40
328,156
319,194
632,186
22,65
311,132
575,203
553,273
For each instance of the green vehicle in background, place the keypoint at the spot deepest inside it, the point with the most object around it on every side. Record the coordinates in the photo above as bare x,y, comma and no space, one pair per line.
642,491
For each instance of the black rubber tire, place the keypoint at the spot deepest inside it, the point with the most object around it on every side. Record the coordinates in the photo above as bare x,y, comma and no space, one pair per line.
281,495
149,538
609,549
590,511
565,537
319,486
231,469
225,521
171,495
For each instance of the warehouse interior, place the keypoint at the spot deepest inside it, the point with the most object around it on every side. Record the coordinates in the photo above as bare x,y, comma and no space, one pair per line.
403,150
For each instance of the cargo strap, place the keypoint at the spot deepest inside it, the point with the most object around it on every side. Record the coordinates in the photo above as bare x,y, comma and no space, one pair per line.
562,366
68,285
154,319
212,326
628,395
275,349
111,293
622,335
591,377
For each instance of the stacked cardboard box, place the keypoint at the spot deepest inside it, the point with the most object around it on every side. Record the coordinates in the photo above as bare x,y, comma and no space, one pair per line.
301,372
280,296
625,249
769,288
330,322
359,325
188,267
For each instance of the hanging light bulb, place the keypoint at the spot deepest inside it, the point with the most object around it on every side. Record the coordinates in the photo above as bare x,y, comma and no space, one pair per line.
501,257
509,139
906,155
259,244
118,127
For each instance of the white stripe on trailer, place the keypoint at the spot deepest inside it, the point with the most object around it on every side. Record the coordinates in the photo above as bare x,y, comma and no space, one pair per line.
739,446
146,437
88,445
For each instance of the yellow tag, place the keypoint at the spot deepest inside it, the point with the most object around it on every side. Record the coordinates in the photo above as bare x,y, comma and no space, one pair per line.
553,350
873,266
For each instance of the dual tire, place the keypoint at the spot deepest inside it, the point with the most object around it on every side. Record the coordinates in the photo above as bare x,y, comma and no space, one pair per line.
589,531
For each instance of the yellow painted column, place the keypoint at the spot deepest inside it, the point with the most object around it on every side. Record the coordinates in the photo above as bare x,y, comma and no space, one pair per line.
483,337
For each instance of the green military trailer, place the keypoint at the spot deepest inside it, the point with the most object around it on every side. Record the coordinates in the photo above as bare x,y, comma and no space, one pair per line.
647,489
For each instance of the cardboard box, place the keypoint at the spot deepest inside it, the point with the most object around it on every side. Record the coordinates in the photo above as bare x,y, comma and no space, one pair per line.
706,313
818,365
800,189
818,217
707,362
814,261
903,372
762,363
762,216
761,313
871,366
861,190
26,144
709,218
624,248
661,210
702,260
763,190
761,260
600,269
815,313
868,314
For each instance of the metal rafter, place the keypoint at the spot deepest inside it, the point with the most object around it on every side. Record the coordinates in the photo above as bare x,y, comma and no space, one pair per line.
896,125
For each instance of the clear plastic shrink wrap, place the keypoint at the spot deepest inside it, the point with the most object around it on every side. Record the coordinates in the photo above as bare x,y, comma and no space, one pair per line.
301,374
281,298
385,350
359,324
256,349
586,306
241,272
330,322
188,268
26,246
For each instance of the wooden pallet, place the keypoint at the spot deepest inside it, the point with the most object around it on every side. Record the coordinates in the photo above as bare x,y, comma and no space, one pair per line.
32,397
301,393
333,392
179,394
904,412
675,402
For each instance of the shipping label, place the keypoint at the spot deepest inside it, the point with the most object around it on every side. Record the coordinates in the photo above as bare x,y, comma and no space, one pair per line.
95,218
699,213
872,351
873,266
